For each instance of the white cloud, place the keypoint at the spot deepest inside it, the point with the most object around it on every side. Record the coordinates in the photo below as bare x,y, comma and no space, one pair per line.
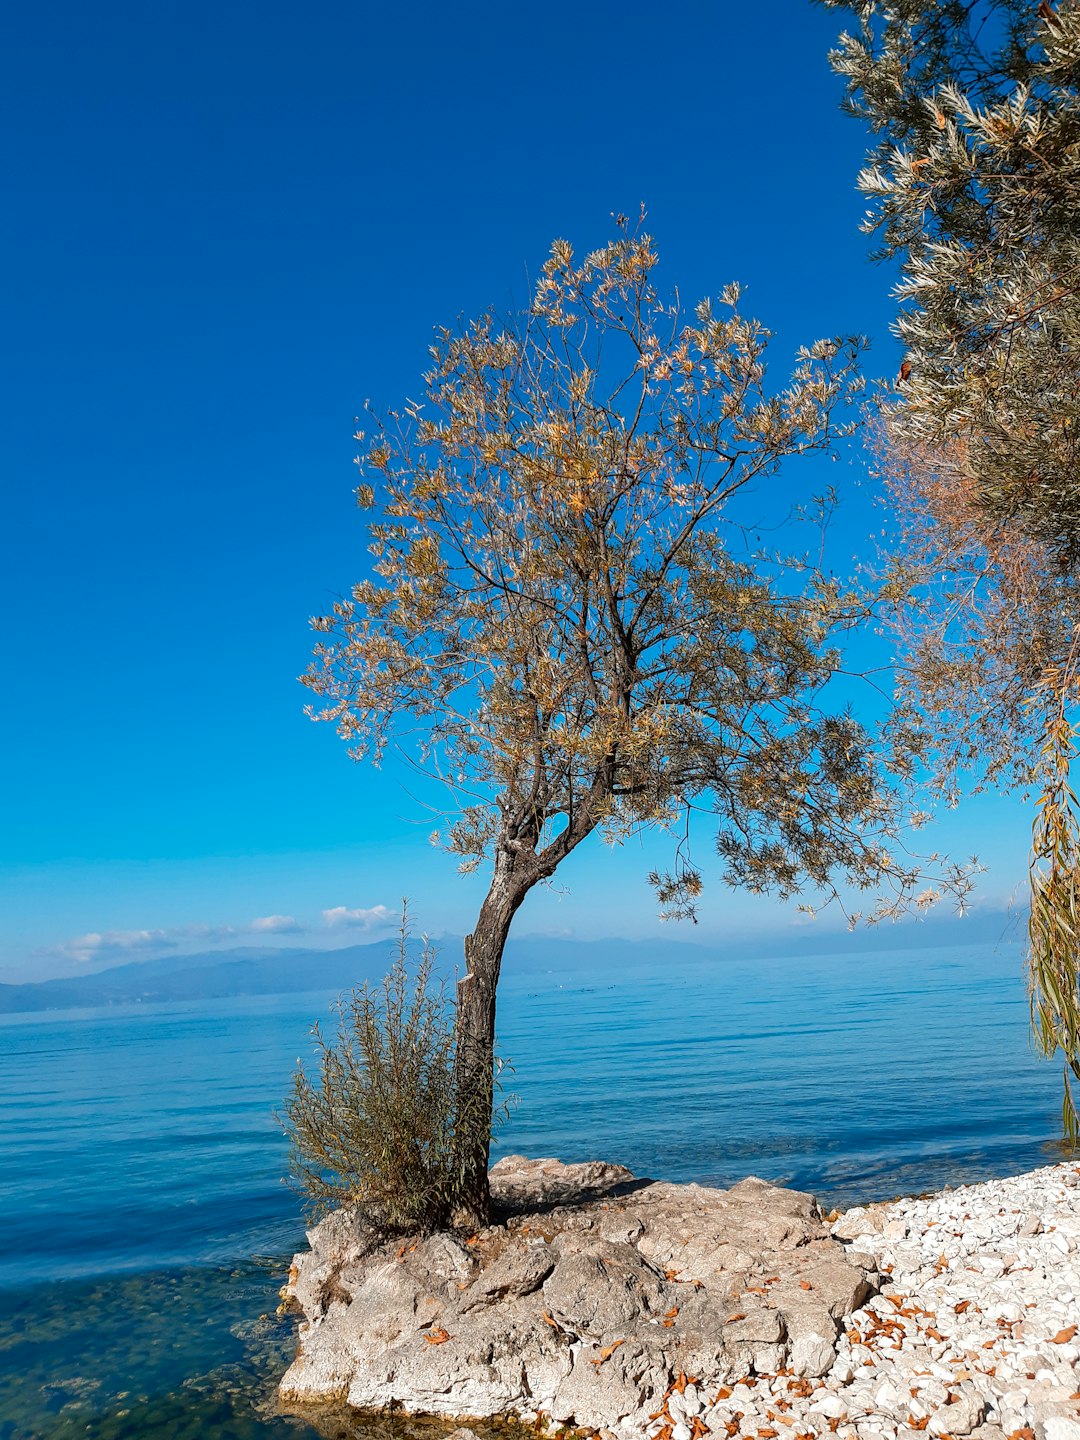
113,944
104,947
275,925
340,917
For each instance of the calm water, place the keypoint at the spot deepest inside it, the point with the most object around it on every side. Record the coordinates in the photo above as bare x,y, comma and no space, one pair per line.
147,1230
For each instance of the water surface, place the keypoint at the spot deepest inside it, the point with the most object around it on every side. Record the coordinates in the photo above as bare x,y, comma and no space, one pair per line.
147,1229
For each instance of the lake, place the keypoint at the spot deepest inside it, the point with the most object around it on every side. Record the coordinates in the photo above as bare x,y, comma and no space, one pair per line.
147,1228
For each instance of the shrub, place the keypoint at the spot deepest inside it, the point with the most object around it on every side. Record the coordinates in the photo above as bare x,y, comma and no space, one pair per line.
374,1128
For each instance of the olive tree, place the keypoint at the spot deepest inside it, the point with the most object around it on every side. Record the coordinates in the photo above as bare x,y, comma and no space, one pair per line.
567,622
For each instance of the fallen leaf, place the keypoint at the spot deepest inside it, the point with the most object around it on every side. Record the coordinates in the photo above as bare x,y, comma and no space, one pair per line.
681,1381
732,1318
472,1240
919,1424
1063,1336
607,1352
437,1337
698,1428
670,1314
964,1305
549,1319
805,1285
724,1393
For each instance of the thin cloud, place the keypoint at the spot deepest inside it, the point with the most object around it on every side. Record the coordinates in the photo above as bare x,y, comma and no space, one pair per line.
98,946
115,944
275,925
341,917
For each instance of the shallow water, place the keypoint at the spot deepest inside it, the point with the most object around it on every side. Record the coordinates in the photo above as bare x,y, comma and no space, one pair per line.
140,1161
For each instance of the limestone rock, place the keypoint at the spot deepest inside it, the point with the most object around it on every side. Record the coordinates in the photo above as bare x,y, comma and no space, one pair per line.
960,1418
587,1303
518,1183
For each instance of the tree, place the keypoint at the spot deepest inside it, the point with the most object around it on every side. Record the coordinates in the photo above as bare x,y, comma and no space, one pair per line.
567,623
974,179
975,184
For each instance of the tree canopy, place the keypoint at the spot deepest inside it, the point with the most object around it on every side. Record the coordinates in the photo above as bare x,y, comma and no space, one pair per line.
974,183
571,623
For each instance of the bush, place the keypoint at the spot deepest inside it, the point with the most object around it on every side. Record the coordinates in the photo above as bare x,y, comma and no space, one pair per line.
375,1129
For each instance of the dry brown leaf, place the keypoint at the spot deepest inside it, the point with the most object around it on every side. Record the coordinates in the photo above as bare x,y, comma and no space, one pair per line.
805,1285
438,1336
607,1352
1063,1336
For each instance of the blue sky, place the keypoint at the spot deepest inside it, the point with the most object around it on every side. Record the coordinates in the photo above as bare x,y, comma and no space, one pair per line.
227,227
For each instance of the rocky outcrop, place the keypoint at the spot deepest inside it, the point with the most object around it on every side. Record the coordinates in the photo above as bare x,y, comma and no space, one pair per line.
597,1300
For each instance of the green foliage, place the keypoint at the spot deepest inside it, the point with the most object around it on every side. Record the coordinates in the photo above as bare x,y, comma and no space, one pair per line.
974,182
374,1129
1054,923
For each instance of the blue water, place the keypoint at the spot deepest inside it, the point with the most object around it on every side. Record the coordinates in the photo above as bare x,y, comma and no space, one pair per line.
141,1144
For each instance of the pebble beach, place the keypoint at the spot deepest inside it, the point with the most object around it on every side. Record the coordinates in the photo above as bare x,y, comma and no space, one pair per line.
975,1331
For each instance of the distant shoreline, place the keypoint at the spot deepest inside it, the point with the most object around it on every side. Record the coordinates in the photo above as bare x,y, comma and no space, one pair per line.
227,974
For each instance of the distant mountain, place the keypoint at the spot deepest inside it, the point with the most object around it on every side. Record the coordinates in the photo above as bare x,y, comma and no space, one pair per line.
212,976
221,974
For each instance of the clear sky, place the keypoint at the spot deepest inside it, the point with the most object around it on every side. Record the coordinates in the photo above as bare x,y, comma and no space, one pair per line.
228,225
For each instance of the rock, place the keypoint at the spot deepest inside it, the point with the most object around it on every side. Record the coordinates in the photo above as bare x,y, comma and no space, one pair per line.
811,1333
839,1286
585,1309
510,1276
1058,1427
594,1308
831,1406
811,1355
860,1221
520,1184
960,1418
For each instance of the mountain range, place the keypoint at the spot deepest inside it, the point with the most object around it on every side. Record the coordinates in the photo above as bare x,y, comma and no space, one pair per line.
222,974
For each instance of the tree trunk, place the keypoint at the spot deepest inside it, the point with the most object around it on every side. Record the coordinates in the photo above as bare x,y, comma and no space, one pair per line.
476,1043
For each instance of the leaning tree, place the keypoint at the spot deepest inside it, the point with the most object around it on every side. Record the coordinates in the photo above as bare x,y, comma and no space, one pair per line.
974,184
568,624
